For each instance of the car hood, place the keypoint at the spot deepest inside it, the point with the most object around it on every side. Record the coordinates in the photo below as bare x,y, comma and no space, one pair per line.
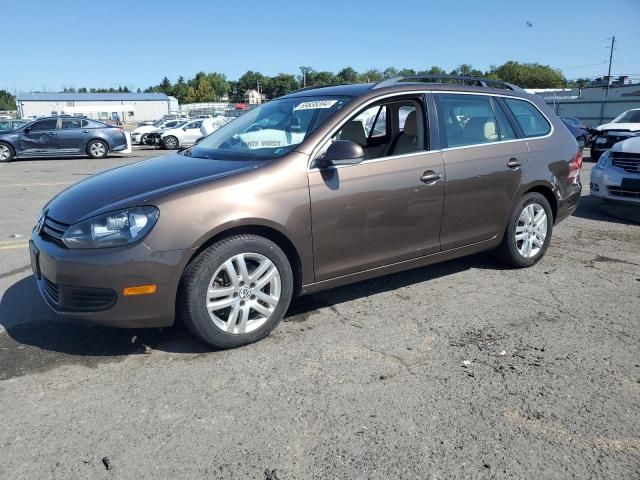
631,145
139,184
144,129
634,127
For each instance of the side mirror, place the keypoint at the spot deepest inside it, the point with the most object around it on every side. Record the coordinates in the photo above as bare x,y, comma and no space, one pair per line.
341,152
27,130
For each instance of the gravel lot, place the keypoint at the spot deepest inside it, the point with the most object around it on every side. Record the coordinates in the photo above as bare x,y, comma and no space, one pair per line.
459,370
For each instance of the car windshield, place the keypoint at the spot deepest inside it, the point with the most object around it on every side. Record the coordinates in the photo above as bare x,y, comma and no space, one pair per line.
632,116
269,131
158,123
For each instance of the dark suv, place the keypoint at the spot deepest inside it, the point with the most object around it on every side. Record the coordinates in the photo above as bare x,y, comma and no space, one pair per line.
55,136
316,189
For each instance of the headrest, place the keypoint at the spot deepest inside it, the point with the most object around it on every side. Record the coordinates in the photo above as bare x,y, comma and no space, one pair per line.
354,131
411,125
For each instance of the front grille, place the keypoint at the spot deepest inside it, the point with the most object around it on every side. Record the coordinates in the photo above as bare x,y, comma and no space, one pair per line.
626,192
629,162
77,299
51,290
53,231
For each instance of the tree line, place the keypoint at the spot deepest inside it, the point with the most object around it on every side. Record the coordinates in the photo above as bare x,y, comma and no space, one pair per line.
212,87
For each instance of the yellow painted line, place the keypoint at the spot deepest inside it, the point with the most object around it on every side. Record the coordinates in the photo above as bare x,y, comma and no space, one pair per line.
46,184
15,245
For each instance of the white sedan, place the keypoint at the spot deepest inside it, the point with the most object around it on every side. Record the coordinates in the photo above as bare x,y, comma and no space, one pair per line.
616,176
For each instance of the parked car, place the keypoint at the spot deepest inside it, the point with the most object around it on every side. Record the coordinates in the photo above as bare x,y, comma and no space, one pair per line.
616,176
150,137
296,196
581,132
54,136
625,126
185,134
139,134
12,124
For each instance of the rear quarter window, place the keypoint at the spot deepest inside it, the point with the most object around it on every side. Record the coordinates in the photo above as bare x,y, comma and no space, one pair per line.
532,122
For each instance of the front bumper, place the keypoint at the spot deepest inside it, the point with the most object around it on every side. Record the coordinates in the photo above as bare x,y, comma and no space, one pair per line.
87,284
607,183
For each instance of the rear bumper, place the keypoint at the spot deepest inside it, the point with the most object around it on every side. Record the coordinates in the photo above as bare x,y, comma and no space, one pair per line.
568,204
87,285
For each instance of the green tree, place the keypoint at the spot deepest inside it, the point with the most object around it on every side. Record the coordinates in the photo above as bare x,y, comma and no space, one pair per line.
250,81
371,76
219,84
281,84
347,75
390,72
530,75
7,101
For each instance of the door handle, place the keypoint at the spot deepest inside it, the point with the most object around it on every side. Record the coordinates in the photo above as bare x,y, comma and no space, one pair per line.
430,176
52,133
514,163
85,131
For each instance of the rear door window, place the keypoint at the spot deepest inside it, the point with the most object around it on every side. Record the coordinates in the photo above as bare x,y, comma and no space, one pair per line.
71,123
467,119
532,122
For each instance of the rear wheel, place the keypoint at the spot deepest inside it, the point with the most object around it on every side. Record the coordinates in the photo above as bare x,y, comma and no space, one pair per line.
97,149
170,142
6,152
528,232
236,291
143,139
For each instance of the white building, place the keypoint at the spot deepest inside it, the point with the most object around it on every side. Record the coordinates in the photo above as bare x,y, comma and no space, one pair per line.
253,97
126,107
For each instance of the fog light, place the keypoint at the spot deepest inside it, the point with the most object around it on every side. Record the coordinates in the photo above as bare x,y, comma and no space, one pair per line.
139,290
594,187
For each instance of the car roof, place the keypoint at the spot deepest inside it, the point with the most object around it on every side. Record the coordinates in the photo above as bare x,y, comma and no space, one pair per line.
400,85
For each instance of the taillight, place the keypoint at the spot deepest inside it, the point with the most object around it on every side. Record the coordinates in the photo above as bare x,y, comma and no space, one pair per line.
575,166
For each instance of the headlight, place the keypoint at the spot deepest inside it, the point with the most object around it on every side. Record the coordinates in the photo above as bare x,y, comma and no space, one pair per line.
112,229
604,158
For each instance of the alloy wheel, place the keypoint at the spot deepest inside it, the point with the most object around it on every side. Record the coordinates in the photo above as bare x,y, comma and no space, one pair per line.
98,149
5,153
243,293
531,230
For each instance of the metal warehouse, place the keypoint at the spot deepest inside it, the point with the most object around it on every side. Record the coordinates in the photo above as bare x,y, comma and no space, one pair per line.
126,107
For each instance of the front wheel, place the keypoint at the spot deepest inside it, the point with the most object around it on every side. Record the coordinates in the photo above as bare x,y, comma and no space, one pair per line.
236,291
170,142
528,232
97,149
143,139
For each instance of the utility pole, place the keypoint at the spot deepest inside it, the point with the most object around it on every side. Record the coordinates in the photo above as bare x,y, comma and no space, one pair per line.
613,42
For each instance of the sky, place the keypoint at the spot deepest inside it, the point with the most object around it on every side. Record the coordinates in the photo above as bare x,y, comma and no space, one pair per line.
70,43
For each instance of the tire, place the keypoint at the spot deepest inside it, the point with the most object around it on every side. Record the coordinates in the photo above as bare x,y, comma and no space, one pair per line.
170,143
6,152
97,149
143,139
512,251
241,316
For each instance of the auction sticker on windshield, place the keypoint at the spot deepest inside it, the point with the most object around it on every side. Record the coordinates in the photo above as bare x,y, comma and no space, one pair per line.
316,104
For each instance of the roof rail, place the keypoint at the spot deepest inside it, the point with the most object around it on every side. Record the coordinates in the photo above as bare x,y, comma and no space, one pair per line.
313,87
479,81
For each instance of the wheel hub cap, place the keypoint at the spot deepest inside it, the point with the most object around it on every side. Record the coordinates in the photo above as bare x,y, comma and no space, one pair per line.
531,230
243,293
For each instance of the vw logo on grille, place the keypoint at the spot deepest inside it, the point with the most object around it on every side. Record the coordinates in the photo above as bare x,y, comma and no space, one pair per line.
38,228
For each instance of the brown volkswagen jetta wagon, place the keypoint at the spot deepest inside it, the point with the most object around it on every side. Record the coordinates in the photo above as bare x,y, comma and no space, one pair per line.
316,189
